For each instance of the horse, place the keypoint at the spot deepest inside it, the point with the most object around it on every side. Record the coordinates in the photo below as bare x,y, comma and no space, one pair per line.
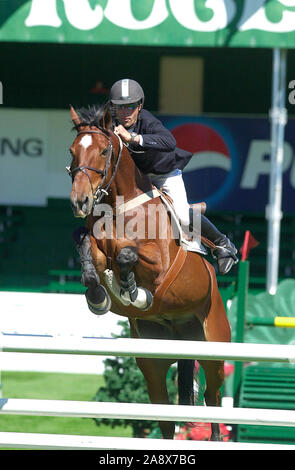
165,291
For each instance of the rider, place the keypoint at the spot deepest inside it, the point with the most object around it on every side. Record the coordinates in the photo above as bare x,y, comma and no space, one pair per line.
153,149
154,152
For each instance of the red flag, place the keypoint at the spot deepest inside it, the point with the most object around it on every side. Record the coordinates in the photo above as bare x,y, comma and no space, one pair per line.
249,243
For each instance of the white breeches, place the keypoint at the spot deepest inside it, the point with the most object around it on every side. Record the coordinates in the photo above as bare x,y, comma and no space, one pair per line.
173,185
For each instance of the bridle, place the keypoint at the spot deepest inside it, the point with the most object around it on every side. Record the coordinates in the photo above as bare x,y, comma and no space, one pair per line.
102,190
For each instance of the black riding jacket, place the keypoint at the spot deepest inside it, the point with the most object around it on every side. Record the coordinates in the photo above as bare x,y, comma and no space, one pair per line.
160,152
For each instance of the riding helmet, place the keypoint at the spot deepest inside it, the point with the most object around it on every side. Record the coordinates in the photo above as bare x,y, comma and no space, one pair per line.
126,91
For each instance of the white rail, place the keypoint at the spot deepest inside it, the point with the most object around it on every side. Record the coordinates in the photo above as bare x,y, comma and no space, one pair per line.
66,442
169,349
144,411
141,348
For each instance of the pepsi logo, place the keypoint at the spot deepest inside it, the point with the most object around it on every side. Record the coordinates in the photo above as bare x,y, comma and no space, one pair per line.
211,171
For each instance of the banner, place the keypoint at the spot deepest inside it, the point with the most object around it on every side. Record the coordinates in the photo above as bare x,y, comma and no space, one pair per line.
33,155
188,23
229,169
23,158
231,165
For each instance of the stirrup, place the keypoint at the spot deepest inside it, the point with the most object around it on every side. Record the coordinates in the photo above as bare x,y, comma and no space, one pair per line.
225,257
225,264
224,252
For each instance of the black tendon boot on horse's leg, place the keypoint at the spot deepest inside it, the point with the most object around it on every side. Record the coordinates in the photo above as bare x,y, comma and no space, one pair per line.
98,299
139,297
225,251
82,241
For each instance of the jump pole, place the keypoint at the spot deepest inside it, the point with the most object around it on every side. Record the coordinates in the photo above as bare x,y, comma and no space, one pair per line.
146,411
74,442
279,322
163,349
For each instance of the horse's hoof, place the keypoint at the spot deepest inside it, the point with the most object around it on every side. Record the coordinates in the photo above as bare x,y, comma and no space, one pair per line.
98,300
149,299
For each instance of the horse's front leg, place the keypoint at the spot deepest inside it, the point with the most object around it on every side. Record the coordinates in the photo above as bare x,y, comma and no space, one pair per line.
97,298
139,297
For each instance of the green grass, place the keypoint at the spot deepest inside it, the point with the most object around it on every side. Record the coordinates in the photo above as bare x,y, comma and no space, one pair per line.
54,386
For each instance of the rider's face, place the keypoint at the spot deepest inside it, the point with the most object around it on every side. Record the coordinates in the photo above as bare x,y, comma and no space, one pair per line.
127,114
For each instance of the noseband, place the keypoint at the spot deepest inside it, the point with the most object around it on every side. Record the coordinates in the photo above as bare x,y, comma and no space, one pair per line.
100,191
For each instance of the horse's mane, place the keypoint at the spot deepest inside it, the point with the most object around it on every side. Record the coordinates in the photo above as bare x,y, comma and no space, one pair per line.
92,116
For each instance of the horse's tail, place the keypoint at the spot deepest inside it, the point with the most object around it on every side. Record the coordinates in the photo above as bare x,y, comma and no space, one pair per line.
186,381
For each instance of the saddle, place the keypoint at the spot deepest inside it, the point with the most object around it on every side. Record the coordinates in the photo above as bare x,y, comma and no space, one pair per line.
199,244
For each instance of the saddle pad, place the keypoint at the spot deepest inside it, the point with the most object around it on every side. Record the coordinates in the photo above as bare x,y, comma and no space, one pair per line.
188,245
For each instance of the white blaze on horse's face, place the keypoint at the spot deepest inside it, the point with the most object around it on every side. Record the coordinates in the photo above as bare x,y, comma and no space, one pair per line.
86,141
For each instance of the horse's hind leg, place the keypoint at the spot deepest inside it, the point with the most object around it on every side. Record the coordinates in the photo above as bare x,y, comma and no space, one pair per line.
214,373
216,328
154,370
214,370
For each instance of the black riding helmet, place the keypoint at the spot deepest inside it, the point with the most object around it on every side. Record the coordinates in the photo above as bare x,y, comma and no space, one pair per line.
126,91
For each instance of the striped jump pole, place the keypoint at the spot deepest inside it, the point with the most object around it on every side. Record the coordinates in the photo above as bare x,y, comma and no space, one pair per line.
279,322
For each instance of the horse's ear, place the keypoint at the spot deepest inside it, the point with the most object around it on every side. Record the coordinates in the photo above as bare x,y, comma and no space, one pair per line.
75,118
106,120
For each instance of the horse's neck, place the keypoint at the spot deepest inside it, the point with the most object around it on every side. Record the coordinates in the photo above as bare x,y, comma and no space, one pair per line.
129,182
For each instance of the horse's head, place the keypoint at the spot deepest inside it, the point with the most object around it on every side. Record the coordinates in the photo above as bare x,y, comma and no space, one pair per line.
91,159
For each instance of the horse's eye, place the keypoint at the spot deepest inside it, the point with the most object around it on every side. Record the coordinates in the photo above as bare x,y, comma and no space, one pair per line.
104,152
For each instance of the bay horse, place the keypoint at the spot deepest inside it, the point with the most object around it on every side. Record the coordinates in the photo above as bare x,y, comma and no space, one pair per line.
166,292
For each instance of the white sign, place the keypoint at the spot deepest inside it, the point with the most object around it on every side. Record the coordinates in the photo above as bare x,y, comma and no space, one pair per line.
33,156
23,148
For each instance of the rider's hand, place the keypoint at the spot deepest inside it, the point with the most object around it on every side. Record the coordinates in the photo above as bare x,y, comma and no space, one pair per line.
123,133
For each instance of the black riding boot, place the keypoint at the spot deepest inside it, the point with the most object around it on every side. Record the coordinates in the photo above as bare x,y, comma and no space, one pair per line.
225,251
